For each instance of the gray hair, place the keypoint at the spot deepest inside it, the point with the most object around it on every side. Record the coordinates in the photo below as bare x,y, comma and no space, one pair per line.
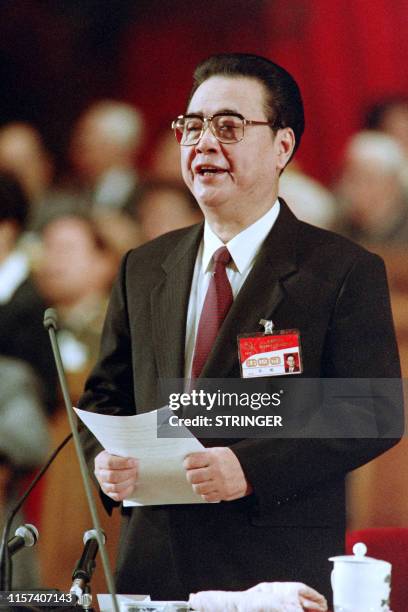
122,122
370,145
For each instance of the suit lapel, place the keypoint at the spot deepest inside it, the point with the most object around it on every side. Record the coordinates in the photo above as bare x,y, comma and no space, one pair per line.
169,303
260,295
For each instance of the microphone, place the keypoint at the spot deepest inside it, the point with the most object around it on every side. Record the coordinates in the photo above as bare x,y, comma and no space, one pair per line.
50,319
51,323
25,535
84,569
5,560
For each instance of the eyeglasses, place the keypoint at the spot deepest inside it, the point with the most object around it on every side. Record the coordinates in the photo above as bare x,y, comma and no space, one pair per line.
227,128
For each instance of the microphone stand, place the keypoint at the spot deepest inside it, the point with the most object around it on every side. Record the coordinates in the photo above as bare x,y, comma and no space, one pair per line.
50,323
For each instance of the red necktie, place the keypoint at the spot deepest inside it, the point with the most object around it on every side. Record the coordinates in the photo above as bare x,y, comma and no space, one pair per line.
216,305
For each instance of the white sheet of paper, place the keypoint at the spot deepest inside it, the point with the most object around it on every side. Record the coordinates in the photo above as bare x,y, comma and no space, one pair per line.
162,476
139,602
106,605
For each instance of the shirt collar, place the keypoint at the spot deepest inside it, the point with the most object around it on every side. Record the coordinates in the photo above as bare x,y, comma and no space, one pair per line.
13,272
244,246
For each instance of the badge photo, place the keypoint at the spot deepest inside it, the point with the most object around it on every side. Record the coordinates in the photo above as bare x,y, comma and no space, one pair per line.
270,354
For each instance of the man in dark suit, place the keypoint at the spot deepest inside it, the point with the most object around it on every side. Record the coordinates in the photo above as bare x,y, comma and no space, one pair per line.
281,511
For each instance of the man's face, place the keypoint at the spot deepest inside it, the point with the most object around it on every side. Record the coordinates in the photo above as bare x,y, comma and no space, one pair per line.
247,172
290,361
92,151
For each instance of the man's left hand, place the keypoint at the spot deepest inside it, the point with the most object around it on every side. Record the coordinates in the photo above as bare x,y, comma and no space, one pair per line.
216,475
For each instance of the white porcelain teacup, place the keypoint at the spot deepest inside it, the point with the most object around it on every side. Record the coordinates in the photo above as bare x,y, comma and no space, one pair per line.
360,583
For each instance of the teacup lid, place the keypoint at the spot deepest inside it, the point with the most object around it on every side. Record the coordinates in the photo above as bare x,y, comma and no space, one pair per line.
359,556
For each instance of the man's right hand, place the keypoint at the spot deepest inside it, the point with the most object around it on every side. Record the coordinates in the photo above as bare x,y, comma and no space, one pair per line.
116,475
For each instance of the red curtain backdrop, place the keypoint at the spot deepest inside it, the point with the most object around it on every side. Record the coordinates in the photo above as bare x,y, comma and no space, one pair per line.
345,54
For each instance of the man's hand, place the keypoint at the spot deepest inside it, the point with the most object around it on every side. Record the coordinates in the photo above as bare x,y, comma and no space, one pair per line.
216,475
117,476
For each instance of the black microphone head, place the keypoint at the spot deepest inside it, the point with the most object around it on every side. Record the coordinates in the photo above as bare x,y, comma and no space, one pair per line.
29,533
50,319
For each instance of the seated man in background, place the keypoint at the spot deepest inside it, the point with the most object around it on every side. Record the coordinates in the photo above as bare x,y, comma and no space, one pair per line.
75,274
103,151
21,304
307,198
373,200
163,206
390,116
24,156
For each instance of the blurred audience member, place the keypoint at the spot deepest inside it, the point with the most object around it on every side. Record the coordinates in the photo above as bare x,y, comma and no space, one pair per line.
309,200
163,207
371,191
103,151
24,156
119,230
76,271
390,116
21,305
24,443
165,163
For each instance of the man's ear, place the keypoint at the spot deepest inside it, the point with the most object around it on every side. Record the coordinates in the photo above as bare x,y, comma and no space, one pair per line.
285,142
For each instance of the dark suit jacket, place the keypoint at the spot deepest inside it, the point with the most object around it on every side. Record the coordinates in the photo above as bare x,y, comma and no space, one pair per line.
336,294
23,336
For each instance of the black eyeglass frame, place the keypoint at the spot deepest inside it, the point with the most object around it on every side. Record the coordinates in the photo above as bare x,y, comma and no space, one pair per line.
207,122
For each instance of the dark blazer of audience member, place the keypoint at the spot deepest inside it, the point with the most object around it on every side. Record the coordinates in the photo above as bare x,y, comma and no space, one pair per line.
21,305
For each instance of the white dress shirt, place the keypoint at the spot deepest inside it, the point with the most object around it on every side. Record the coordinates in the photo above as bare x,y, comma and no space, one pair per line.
13,272
243,248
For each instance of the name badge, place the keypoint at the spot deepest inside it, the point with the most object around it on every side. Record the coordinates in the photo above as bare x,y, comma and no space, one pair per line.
274,353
